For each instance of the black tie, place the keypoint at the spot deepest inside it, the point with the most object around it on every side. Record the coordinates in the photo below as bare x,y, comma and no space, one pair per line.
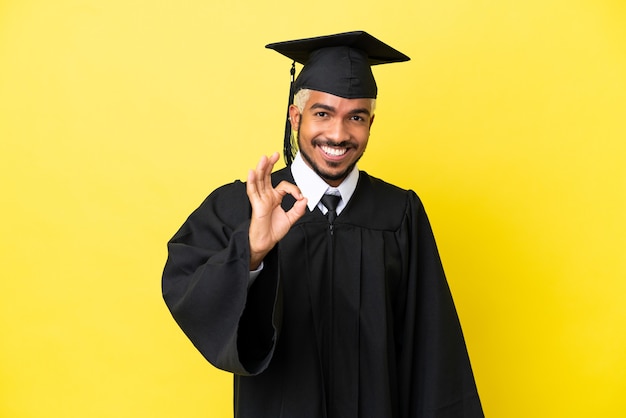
331,201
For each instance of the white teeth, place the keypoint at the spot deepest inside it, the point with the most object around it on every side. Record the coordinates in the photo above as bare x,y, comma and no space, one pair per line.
335,152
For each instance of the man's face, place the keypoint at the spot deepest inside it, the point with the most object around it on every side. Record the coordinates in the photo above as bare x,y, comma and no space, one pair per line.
332,133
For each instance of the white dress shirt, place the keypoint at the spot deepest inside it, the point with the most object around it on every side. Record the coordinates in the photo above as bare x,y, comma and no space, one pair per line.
313,187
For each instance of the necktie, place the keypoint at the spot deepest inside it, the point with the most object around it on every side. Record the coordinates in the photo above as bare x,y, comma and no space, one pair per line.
331,201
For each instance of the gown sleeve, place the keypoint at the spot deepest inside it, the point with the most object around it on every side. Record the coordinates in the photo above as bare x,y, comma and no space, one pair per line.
437,379
206,285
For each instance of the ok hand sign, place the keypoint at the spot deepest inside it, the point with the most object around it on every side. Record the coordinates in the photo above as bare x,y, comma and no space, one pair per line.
269,222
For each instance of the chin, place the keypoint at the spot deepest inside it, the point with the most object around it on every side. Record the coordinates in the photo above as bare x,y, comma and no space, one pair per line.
334,176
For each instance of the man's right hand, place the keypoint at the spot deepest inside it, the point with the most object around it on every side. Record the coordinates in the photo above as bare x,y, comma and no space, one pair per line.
269,222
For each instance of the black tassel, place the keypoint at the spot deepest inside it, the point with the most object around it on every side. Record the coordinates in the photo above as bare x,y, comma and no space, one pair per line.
287,149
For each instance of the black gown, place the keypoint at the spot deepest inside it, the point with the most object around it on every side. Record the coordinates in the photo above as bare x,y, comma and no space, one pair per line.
359,322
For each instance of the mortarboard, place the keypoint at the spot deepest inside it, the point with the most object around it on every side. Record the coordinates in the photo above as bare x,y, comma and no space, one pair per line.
338,64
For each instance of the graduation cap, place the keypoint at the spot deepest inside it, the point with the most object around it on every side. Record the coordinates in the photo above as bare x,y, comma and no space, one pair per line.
338,64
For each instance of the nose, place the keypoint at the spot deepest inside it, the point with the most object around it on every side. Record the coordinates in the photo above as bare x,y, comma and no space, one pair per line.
337,131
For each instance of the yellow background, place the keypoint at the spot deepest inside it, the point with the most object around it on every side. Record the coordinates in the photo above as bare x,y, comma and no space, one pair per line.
118,117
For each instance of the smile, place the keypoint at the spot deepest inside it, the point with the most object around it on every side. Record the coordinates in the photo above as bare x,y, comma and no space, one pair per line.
334,152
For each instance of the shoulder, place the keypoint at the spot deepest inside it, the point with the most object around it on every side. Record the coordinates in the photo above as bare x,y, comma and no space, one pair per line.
228,194
228,203
387,193
382,204
381,186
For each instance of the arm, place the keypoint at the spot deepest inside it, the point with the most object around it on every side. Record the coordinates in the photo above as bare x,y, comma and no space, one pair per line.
206,280
436,373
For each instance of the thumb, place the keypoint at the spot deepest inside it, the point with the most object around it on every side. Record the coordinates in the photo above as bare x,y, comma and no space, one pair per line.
297,210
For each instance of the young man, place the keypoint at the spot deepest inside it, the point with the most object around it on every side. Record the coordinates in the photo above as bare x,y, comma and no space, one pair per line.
319,286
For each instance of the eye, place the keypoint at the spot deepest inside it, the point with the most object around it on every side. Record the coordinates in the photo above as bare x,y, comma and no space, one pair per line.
357,118
321,114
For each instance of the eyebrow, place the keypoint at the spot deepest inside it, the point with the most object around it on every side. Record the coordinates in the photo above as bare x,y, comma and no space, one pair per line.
357,111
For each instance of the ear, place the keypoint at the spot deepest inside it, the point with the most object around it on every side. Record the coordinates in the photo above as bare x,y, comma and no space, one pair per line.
294,117
371,121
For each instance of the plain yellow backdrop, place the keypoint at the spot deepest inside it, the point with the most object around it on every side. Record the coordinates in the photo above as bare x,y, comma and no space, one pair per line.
118,117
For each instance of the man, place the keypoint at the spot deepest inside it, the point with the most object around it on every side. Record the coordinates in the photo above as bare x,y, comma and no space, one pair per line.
323,307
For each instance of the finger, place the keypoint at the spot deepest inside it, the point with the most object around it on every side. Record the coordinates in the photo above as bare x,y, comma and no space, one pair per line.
260,175
285,187
268,168
255,179
251,187
296,211
274,158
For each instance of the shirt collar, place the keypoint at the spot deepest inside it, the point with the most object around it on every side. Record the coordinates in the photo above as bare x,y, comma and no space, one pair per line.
313,187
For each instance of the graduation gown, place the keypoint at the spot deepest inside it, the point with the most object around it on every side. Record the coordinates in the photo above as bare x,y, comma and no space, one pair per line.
354,322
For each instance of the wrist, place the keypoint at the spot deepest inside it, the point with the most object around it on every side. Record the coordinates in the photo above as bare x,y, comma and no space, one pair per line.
255,261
